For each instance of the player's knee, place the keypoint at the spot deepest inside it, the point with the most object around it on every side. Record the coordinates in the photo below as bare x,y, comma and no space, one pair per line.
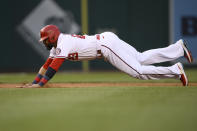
140,74
140,77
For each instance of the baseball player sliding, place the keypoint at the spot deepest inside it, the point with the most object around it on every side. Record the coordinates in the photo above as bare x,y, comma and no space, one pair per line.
107,45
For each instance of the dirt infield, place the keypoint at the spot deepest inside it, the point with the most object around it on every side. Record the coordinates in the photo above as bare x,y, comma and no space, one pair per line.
78,85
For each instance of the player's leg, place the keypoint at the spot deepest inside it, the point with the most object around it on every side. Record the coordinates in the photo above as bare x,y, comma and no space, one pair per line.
152,72
169,53
125,61
133,68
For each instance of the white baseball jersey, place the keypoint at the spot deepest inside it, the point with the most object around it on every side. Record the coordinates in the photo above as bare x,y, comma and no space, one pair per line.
75,47
120,54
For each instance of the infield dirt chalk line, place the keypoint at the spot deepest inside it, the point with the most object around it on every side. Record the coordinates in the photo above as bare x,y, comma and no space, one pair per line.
78,85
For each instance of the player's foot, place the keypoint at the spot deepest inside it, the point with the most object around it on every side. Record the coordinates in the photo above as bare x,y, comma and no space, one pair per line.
183,76
187,53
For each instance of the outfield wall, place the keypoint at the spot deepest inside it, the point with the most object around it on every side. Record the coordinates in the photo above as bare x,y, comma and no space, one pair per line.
183,24
143,24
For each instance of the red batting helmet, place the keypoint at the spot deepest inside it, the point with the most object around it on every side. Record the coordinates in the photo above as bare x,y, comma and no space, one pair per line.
51,32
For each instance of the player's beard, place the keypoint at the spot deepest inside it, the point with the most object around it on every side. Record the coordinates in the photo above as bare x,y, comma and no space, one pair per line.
49,46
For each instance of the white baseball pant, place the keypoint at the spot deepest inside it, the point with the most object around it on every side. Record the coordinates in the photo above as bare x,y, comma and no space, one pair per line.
127,59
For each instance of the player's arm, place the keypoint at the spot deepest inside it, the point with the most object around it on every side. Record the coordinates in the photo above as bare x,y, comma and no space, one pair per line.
42,71
51,70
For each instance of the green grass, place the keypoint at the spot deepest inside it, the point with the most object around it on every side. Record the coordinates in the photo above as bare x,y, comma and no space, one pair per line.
88,77
97,108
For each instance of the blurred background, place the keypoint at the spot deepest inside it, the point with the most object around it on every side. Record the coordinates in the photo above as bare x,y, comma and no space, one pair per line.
145,24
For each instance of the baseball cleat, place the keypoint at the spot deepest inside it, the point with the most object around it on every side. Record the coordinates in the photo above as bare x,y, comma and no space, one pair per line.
183,76
187,53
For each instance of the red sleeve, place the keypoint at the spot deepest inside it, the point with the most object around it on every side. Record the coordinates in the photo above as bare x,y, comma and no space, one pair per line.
47,63
56,63
52,69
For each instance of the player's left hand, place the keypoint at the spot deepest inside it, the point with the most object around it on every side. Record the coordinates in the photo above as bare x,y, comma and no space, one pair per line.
35,86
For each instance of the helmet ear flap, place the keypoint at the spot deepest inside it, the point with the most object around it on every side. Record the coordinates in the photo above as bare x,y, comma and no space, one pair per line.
49,32
51,35
53,38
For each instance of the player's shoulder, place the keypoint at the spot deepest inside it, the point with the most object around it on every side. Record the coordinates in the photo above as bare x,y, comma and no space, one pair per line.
65,41
63,38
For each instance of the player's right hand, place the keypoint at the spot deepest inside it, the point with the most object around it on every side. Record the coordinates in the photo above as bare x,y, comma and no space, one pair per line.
28,85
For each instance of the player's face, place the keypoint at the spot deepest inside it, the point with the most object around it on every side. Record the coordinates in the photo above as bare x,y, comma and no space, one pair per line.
48,45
